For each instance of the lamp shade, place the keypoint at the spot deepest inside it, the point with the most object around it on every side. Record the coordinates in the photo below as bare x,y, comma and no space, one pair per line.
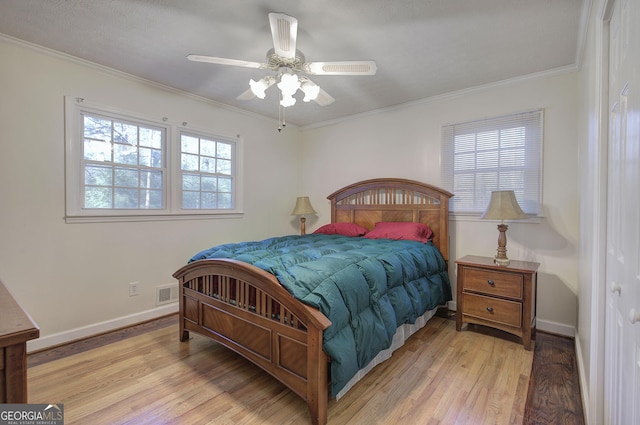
503,206
303,206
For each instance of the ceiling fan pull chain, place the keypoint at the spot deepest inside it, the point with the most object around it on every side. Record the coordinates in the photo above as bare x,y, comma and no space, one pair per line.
284,111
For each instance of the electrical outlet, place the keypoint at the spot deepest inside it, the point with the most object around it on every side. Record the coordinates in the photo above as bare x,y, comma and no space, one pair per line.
133,289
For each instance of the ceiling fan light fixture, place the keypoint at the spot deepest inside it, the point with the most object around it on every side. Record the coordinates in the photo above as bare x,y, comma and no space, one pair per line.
289,84
311,91
259,87
287,100
287,62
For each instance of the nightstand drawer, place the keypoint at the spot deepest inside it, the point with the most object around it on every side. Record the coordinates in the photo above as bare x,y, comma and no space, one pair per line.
496,310
493,283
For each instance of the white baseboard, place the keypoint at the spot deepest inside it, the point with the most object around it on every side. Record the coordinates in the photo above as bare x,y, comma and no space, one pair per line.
98,328
555,328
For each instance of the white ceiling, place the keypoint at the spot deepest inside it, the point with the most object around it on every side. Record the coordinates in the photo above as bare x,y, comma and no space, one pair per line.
423,48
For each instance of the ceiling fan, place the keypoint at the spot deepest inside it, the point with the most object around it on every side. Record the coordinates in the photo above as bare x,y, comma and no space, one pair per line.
288,62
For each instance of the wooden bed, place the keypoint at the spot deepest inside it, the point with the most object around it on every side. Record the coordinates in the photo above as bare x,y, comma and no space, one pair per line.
247,310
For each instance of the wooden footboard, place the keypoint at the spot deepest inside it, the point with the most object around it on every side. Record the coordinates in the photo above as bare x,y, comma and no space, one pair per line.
247,310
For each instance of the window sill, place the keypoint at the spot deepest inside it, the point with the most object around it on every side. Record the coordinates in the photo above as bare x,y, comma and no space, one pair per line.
72,219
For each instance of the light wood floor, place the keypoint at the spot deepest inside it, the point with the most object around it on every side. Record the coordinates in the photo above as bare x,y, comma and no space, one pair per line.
439,377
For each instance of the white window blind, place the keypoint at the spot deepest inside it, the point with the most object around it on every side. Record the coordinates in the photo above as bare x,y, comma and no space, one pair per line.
501,153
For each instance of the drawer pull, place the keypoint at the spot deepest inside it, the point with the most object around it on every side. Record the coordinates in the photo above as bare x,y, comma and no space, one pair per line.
491,282
490,309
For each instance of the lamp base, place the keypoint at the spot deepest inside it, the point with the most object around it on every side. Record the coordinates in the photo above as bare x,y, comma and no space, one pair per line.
501,256
303,230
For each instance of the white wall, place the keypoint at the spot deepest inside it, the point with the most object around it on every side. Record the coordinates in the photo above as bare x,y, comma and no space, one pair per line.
73,278
405,142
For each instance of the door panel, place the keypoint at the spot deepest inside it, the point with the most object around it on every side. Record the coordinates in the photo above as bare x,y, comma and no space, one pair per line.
622,335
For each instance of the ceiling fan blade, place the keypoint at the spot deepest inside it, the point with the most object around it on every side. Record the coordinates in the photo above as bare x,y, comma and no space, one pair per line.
284,31
341,68
324,98
246,95
224,61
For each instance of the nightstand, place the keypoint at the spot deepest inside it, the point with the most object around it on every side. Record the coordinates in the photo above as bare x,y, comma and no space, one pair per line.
502,297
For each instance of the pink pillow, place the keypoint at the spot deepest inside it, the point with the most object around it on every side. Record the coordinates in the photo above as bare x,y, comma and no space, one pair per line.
344,229
401,231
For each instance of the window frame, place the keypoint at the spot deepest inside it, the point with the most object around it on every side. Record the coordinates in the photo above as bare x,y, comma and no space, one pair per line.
232,175
76,107
529,196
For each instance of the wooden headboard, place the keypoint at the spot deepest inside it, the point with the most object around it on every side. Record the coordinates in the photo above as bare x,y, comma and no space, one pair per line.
391,199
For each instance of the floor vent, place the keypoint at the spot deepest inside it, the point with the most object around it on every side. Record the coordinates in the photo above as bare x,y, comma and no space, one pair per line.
166,294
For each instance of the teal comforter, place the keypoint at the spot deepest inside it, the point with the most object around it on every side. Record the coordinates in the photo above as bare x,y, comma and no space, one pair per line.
367,288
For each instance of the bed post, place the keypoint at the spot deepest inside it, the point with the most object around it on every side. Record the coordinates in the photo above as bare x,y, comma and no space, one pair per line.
317,377
184,334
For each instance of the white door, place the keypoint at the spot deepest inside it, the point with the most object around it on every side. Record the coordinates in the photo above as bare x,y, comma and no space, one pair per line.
622,329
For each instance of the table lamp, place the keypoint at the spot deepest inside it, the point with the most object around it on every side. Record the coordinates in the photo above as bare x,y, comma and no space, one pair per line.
503,206
303,207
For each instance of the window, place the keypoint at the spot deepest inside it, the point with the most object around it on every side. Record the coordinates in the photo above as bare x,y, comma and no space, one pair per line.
123,164
121,167
502,153
207,172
